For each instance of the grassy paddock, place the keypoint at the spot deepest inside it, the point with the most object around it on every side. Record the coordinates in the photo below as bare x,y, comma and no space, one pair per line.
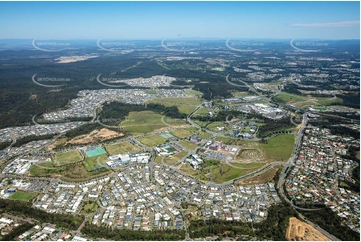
181,133
286,97
184,105
152,140
23,196
67,157
279,148
266,176
142,122
121,148
188,144
74,172
93,162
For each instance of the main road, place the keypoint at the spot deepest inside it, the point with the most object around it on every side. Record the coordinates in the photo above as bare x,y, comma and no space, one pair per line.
289,164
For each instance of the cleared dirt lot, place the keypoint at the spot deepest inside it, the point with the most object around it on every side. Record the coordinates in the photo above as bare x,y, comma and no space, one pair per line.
95,136
298,230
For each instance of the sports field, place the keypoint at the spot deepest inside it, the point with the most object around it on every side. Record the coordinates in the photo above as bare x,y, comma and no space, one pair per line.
121,148
181,133
95,152
94,162
22,196
166,135
188,144
168,148
152,140
67,157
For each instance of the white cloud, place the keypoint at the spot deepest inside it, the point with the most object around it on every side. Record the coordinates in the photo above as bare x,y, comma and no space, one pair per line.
329,25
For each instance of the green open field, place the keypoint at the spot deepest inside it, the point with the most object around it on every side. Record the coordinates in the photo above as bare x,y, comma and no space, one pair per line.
93,162
286,97
121,148
279,148
229,141
204,135
184,105
67,157
152,140
181,133
192,129
254,166
218,172
178,100
74,172
188,144
202,111
264,177
240,94
194,93
147,121
22,196
307,101
213,126
90,208
201,123
326,101
142,122
170,161
224,172
201,175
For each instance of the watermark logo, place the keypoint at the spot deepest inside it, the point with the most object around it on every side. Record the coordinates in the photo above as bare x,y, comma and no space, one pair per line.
188,80
50,45
234,79
109,120
242,46
179,45
41,80
111,79
307,46
115,46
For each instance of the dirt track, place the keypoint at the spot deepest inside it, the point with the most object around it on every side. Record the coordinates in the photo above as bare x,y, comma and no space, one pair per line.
298,230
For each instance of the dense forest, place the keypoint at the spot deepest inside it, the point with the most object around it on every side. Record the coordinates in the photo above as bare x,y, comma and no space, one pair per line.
119,111
351,100
329,221
27,139
333,122
17,232
273,228
101,232
25,209
274,125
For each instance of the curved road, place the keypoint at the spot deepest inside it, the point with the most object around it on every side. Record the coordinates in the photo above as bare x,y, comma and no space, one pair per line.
281,180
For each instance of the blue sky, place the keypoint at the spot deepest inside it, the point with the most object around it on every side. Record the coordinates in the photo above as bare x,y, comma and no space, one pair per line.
149,20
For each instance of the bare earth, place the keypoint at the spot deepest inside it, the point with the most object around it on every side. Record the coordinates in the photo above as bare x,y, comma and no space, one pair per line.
95,136
298,230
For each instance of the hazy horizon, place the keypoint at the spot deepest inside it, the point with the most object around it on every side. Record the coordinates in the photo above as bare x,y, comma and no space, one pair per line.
159,20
